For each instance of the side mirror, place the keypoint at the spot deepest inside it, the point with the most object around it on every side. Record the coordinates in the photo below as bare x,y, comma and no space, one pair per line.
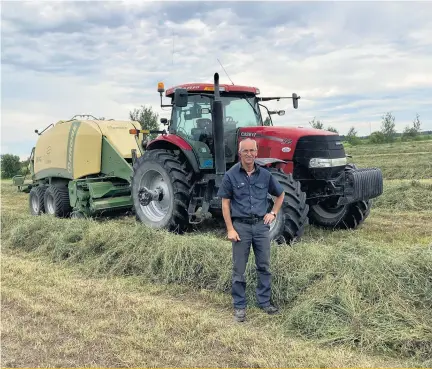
180,97
164,121
295,100
281,112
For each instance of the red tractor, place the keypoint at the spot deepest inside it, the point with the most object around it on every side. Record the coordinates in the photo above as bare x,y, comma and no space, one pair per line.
175,181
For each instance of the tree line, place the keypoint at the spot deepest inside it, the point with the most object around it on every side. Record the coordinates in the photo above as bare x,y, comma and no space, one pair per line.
387,133
12,165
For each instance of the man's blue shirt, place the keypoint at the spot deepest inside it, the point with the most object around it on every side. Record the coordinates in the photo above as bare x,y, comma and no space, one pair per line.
248,195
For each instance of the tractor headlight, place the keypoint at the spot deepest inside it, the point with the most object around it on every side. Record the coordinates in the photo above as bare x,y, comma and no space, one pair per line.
327,163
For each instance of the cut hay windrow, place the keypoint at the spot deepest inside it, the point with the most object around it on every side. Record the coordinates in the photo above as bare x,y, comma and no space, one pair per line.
338,291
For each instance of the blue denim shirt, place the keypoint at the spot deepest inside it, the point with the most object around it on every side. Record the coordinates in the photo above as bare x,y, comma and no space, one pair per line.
248,195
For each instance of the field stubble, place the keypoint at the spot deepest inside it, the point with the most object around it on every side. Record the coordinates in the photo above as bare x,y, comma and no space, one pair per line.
369,290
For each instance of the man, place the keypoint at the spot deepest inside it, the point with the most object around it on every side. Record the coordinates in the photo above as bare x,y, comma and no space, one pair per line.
244,192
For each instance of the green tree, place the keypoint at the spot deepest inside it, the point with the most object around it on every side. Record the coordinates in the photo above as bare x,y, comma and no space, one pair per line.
147,119
414,131
388,127
417,124
10,165
377,138
352,137
332,129
316,124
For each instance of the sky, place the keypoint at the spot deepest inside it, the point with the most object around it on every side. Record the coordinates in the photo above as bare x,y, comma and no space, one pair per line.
351,62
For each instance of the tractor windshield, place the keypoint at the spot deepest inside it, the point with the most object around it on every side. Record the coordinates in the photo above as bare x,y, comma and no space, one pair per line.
191,120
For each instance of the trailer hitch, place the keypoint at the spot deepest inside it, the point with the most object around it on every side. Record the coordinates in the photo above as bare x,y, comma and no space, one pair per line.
146,196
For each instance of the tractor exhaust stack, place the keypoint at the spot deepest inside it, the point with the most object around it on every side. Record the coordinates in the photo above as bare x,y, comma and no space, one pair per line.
218,130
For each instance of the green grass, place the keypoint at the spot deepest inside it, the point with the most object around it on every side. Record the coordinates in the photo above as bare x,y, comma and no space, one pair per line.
367,291
52,315
406,160
354,289
391,148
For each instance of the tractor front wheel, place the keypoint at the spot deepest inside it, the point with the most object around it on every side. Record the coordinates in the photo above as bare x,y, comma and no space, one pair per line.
163,171
292,218
328,214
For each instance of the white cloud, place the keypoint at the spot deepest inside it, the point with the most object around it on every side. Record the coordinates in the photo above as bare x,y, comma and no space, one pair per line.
350,62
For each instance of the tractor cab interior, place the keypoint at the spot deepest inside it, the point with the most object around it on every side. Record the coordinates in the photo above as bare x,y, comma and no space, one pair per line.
194,121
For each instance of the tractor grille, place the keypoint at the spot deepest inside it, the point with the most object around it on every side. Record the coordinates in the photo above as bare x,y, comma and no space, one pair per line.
308,147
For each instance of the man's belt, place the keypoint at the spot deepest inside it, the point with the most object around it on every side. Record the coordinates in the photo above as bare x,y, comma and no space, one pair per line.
248,220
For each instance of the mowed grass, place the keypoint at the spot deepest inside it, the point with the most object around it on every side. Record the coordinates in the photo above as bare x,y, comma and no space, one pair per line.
115,293
53,316
401,160
341,291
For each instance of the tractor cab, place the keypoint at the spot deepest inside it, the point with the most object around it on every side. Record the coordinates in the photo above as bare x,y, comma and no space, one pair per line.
194,122
192,119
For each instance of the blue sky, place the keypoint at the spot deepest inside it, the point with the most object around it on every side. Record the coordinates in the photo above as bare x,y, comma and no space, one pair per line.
351,62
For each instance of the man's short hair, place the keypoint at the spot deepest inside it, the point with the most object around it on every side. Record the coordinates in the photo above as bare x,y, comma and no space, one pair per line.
248,139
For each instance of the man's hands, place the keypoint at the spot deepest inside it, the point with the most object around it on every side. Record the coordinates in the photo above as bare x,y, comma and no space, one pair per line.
233,235
268,218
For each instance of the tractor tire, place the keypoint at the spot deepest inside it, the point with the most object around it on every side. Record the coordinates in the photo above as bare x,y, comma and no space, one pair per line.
162,168
329,215
349,216
56,201
290,223
36,200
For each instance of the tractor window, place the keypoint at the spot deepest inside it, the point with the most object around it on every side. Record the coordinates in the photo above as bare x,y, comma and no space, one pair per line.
239,111
190,121
194,121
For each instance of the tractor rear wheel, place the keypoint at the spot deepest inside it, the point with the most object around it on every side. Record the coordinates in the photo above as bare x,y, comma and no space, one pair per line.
330,215
292,218
165,170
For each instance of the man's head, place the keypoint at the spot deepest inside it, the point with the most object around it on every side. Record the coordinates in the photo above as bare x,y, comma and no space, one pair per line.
248,150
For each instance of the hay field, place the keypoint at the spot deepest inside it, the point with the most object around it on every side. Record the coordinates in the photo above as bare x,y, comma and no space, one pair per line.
113,293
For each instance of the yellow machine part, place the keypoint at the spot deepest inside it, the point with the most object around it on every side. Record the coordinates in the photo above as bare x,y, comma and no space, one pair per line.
73,149
117,133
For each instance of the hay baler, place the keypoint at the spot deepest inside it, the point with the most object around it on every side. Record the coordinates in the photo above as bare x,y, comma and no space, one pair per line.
82,167
175,181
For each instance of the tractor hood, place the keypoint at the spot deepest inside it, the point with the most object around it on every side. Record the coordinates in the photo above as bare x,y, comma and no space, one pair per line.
282,134
295,144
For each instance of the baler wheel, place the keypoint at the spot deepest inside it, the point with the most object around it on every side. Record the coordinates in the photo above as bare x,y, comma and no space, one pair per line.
56,201
36,200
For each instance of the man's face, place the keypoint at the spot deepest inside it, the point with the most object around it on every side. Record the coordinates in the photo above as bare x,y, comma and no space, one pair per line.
248,151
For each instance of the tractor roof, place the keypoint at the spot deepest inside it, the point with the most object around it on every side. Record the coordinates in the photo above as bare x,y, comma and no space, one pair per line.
207,87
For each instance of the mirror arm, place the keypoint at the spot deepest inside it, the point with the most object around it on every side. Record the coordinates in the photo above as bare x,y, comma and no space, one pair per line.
276,98
268,111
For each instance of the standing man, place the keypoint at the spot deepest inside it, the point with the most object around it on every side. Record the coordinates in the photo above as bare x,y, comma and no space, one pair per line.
244,192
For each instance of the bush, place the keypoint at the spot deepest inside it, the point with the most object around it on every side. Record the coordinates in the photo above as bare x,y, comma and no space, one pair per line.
10,165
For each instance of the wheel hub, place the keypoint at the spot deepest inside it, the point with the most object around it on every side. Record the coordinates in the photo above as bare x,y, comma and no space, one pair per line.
145,196
154,195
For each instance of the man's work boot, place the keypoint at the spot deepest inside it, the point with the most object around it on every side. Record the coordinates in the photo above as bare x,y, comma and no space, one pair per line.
271,309
240,315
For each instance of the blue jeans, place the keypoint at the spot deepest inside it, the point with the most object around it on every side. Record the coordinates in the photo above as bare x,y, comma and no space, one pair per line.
257,236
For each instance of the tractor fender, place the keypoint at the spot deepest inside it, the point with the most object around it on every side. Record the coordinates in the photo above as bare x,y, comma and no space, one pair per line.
172,142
